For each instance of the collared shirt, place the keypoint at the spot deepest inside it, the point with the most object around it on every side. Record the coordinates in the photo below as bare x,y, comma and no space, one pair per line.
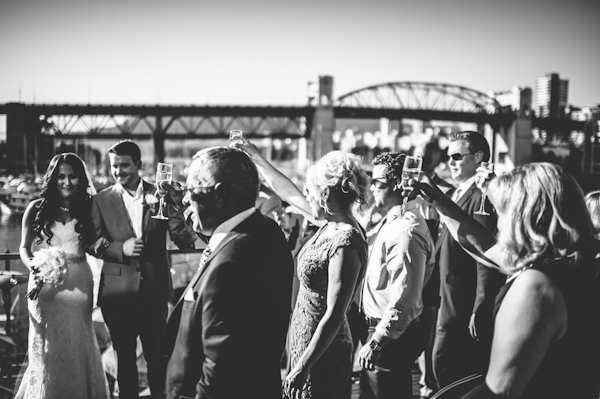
401,259
228,225
464,186
134,204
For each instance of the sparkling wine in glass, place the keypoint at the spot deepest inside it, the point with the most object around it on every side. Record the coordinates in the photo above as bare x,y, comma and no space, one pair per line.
411,170
481,210
164,172
234,137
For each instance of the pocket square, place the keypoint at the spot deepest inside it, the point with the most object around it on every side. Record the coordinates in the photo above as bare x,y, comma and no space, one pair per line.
190,295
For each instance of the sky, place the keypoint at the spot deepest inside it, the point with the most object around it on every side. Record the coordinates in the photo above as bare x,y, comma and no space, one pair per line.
265,52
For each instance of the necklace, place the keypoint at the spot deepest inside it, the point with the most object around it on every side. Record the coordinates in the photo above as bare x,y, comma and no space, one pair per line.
63,208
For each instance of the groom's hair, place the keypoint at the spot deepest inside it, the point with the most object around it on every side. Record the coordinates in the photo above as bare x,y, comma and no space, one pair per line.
127,147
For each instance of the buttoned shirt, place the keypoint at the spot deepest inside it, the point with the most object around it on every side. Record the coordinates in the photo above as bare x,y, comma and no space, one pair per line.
401,259
134,204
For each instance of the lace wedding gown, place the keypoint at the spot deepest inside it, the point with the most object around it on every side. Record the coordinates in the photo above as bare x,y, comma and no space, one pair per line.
64,357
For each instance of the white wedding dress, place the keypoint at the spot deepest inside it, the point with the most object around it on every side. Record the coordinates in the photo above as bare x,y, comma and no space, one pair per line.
64,357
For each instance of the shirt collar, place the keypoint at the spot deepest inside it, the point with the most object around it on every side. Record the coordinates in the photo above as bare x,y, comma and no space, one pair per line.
396,210
228,225
139,191
464,186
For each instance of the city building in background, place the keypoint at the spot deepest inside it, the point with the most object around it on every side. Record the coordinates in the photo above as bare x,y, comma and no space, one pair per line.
551,96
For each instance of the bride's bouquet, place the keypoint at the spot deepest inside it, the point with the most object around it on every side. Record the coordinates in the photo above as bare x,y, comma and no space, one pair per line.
48,266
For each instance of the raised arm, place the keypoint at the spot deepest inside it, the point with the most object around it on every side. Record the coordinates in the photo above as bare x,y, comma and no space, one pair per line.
277,181
474,237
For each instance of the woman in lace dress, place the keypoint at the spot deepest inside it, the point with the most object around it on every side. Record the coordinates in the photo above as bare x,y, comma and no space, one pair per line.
64,357
331,266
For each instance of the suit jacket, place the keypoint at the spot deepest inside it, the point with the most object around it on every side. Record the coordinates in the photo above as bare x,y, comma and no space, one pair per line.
464,283
227,333
123,276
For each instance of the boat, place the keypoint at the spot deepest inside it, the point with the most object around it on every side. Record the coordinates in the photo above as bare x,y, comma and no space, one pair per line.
18,202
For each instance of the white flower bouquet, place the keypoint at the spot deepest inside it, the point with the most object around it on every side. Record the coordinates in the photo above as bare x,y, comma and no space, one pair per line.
48,266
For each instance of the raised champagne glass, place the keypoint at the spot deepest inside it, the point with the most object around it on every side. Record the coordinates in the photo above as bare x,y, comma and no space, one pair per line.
481,210
410,170
164,172
234,137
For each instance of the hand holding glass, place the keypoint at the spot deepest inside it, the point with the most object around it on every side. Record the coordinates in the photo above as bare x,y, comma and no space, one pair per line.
481,211
410,170
234,137
164,172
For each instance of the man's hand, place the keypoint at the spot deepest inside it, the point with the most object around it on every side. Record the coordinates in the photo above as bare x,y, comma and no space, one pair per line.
175,194
133,247
367,357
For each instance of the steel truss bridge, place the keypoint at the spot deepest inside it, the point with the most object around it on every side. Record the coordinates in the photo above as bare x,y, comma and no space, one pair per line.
29,123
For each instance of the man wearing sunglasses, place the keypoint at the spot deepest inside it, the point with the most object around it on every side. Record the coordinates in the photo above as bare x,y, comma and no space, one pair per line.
459,348
226,334
401,259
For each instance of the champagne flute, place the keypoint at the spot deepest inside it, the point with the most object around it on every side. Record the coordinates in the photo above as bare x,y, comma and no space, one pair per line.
481,210
410,170
234,137
164,172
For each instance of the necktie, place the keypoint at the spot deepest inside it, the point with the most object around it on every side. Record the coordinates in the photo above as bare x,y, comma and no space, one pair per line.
457,194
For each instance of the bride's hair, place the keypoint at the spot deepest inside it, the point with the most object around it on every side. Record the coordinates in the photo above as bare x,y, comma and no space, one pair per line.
80,206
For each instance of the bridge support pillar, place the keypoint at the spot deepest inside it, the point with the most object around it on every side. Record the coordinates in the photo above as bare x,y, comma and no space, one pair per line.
323,124
158,139
22,127
518,134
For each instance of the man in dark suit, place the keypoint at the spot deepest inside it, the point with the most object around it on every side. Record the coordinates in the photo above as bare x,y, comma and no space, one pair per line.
226,335
136,276
459,348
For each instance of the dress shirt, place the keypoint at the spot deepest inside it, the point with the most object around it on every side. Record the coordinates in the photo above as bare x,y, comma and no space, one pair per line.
134,204
228,225
463,187
401,259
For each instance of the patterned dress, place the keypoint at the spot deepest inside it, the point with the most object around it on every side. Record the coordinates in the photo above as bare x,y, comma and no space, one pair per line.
64,357
328,378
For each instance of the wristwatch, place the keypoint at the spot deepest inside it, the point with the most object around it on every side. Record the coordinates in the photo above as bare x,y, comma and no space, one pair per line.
375,346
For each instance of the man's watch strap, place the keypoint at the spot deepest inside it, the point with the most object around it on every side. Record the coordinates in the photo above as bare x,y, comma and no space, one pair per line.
375,346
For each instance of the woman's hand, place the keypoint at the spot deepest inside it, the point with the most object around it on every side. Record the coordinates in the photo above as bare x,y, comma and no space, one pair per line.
295,380
428,190
246,146
100,247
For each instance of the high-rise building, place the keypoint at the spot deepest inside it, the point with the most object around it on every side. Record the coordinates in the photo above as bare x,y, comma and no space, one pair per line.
551,97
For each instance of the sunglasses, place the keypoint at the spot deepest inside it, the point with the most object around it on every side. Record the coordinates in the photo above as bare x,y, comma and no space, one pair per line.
459,156
380,183
197,190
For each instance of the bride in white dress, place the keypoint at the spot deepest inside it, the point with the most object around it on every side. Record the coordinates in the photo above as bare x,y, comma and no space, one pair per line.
64,357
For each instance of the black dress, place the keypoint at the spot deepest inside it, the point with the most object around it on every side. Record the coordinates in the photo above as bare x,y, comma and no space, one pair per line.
571,366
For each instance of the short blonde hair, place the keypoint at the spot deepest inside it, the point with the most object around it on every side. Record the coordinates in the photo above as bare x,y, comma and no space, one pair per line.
341,176
592,201
543,215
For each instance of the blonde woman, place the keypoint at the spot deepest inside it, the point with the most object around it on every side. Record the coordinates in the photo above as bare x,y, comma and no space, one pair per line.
547,315
331,266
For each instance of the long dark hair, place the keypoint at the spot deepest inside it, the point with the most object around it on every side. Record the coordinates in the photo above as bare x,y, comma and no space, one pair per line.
80,206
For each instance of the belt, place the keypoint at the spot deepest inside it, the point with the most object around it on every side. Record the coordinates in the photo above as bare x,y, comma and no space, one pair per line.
371,321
